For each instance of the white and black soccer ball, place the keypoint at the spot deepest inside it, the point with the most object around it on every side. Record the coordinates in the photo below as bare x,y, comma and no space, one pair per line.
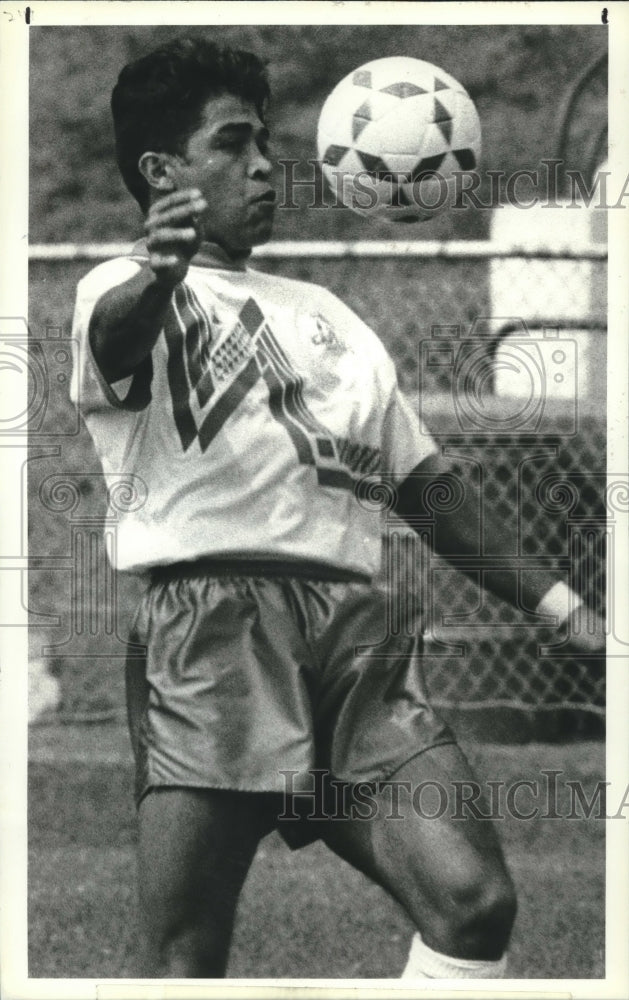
393,134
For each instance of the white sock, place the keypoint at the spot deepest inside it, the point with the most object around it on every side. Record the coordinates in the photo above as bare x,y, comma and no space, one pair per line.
424,963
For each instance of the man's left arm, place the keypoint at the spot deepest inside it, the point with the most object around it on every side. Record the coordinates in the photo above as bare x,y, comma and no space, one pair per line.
457,531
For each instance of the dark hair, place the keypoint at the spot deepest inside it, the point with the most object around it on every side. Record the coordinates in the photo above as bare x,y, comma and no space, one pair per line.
158,101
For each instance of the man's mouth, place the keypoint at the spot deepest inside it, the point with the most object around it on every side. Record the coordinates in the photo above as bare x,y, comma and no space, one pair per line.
268,196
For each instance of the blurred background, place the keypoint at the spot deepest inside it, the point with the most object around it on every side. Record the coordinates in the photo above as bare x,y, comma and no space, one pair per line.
541,92
518,77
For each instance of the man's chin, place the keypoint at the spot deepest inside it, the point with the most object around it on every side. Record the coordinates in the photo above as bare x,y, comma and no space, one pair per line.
261,234
255,236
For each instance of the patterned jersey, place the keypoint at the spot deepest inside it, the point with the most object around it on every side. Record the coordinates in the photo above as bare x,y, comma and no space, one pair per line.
264,402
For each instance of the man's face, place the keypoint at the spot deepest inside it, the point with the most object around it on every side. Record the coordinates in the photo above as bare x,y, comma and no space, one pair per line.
226,160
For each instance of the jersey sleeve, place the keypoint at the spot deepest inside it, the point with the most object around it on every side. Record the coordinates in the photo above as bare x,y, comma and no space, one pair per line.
88,388
405,440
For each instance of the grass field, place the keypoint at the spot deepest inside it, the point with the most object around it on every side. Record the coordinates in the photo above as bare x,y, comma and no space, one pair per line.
303,914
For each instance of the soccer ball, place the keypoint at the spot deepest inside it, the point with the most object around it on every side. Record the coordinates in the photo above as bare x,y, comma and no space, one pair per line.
393,134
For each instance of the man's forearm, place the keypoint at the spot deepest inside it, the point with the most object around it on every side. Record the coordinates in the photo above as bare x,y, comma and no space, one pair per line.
470,535
128,319
126,323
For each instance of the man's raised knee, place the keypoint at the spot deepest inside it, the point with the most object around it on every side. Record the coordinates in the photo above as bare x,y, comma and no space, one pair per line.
481,916
474,914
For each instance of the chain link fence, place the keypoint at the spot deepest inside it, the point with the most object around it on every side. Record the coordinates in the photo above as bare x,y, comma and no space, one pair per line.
485,383
484,652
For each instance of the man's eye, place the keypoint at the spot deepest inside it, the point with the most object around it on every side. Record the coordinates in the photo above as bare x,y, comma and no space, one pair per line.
234,142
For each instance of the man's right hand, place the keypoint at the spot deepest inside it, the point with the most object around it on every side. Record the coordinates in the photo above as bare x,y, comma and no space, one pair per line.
173,234
127,319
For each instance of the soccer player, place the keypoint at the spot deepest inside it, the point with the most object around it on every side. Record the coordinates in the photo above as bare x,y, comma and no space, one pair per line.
252,407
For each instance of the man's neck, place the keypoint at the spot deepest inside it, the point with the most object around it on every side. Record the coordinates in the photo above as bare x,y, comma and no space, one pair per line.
213,255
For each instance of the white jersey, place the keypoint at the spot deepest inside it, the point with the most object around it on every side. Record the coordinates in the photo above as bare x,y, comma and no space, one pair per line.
264,402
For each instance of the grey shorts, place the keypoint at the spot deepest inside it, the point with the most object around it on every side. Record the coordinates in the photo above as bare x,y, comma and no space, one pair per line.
258,671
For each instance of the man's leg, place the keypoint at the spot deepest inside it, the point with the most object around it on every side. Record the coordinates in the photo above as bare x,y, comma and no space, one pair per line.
448,874
195,850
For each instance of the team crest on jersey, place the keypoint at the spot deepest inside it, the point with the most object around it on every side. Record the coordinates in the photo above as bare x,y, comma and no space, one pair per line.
212,366
324,335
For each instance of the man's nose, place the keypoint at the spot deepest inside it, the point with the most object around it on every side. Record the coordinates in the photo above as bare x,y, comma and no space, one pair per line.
259,164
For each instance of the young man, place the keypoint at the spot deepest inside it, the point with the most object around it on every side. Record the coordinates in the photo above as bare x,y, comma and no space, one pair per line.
252,407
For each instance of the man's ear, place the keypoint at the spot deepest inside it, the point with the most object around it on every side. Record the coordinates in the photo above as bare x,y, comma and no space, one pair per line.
157,169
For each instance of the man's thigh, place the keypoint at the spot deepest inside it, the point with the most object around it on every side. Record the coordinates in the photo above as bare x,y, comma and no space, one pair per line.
195,849
411,844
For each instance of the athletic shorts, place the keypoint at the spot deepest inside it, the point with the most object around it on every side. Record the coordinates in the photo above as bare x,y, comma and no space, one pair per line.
259,675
